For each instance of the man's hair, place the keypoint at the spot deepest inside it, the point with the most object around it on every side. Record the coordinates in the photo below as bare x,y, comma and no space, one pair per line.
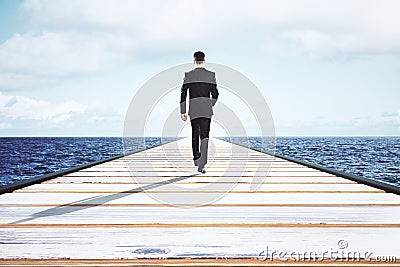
199,56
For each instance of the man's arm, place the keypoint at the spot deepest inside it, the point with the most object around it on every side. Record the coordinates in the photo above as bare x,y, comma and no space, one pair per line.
214,91
184,89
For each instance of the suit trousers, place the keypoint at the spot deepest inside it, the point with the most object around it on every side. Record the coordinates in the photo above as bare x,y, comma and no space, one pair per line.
200,129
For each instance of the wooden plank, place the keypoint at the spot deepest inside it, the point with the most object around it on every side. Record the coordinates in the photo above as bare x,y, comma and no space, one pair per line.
209,173
190,242
114,188
290,167
202,179
209,169
200,225
218,261
196,198
207,214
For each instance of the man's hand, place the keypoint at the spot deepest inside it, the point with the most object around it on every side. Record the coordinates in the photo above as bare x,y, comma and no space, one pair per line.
184,116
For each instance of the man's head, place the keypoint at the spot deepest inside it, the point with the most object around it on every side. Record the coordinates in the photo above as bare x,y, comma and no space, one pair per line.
199,58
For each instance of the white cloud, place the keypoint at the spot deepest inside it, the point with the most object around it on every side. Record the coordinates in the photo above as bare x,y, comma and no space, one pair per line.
18,108
365,26
10,80
62,53
31,61
89,36
29,116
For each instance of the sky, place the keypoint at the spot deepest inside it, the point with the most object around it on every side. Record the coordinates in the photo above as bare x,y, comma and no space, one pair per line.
325,68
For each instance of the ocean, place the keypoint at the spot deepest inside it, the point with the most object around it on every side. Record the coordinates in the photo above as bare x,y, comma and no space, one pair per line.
371,157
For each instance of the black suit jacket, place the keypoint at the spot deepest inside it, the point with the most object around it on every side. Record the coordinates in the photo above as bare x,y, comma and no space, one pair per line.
201,83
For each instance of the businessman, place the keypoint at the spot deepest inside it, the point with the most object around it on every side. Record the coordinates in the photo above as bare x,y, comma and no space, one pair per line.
203,95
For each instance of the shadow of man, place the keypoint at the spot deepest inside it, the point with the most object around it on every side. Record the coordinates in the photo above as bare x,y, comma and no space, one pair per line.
97,200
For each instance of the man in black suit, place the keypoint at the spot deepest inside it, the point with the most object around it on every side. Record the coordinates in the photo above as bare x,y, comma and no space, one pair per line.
201,83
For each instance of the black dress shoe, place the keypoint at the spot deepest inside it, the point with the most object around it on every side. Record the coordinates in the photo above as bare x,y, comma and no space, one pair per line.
202,170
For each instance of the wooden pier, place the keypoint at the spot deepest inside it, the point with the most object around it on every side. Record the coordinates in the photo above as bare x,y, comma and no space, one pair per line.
117,213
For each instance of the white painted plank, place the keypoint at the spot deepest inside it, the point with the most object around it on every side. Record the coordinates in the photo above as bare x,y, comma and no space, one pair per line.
206,214
197,179
199,198
214,187
114,243
209,173
172,168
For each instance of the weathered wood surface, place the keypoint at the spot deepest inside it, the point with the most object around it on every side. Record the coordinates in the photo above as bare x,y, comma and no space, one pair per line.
113,211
